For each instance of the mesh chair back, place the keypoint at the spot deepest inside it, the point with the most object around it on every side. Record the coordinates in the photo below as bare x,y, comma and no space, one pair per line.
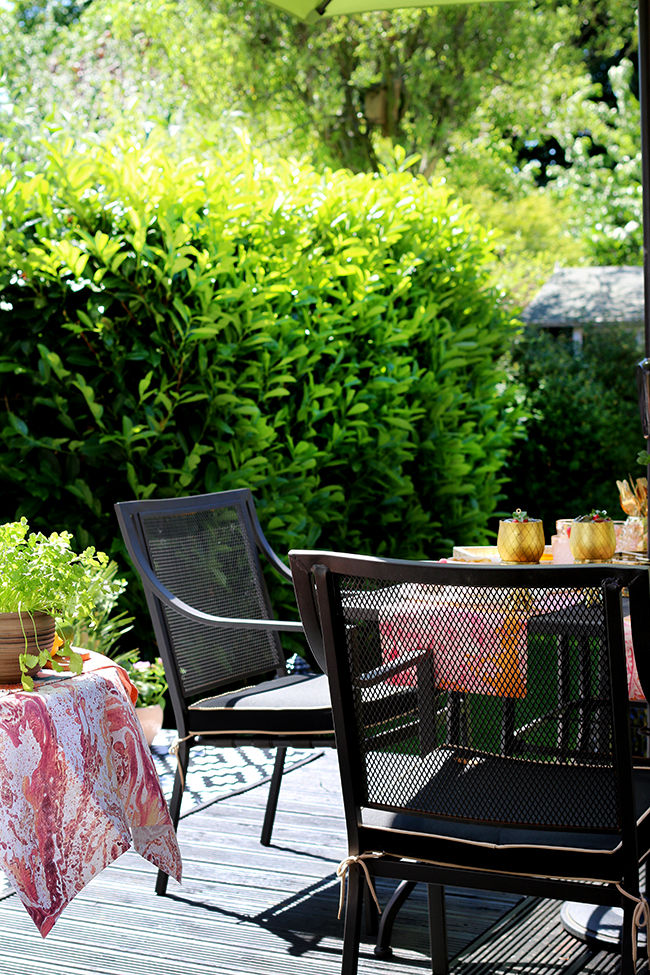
208,558
491,703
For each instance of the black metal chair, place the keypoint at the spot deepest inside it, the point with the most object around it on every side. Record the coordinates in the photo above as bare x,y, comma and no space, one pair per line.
512,768
198,559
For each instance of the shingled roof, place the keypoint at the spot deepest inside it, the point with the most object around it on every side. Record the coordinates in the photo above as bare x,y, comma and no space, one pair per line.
577,296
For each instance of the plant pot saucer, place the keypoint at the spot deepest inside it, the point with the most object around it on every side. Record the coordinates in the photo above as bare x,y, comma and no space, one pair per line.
599,927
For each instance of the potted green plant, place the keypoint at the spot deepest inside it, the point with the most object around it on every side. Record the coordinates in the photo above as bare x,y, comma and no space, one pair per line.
46,591
149,679
593,537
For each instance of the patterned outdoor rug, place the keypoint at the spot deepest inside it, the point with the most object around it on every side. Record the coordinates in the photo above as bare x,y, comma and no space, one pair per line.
218,773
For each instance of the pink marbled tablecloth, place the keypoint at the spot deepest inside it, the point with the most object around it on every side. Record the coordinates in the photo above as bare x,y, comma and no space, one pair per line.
78,788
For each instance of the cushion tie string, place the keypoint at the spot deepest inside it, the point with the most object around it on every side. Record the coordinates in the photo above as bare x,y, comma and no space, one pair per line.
341,873
173,750
640,918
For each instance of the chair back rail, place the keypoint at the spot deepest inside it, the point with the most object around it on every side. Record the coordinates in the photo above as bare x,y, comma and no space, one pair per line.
482,724
512,686
201,553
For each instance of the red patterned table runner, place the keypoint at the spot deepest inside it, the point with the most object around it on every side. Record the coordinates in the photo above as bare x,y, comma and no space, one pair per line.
635,691
474,649
79,788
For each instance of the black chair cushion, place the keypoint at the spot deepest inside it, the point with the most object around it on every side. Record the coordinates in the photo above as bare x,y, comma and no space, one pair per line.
295,705
465,784
529,852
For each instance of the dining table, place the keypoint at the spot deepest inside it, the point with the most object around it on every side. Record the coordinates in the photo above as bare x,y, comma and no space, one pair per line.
78,786
488,554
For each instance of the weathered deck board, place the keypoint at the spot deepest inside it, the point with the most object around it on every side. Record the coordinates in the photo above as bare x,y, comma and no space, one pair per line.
247,910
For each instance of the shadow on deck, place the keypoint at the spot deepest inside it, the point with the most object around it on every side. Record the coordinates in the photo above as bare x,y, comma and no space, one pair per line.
251,910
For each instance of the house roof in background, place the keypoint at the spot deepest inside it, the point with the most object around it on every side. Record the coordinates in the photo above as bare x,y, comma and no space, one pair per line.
586,295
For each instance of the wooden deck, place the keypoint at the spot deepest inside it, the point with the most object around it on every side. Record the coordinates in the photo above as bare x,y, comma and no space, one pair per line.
246,909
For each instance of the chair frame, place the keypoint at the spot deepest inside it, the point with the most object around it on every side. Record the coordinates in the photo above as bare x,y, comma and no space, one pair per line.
322,613
129,515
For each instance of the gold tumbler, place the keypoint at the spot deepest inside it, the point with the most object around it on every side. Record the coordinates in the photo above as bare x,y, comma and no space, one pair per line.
593,541
520,541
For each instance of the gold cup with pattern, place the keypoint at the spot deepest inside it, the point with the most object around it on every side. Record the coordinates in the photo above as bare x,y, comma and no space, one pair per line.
520,541
593,541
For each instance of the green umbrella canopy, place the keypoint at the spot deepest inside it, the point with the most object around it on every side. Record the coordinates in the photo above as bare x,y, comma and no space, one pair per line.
312,10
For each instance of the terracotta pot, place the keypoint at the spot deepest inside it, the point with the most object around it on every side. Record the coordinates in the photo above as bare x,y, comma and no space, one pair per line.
151,719
593,541
38,629
520,541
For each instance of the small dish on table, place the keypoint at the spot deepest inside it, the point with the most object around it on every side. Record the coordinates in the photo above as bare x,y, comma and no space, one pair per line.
488,553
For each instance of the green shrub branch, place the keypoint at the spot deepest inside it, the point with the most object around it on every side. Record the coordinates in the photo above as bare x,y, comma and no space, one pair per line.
329,341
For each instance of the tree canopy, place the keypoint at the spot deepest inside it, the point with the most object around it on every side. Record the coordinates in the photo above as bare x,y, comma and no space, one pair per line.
526,109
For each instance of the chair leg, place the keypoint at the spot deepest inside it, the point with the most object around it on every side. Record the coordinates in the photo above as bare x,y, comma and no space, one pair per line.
627,966
372,914
274,792
383,948
353,910
438,929
175,804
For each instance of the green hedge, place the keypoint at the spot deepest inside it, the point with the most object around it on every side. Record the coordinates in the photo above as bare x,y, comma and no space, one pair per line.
584,431
327,340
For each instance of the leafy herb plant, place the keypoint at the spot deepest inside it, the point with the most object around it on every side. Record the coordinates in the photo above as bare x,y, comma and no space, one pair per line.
595,515
39,572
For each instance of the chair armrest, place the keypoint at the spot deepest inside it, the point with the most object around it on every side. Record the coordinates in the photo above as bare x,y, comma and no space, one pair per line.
379,674
303,585
273,560
153,584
